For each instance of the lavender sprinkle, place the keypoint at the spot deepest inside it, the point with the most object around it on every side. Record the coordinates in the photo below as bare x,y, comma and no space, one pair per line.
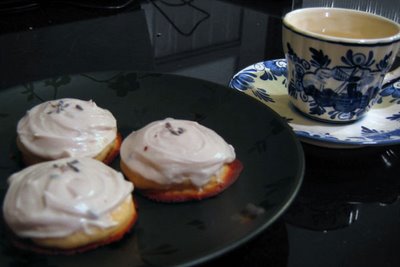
173,131
72,166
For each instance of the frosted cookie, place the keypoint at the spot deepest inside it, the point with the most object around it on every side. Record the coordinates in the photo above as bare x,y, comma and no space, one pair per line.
178,160
68,205
67,128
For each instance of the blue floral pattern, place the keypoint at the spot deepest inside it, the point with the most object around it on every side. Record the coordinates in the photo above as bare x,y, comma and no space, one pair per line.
243,80
266,82
392,90
344,92
377,135
270,70
394,117
325,136
274,69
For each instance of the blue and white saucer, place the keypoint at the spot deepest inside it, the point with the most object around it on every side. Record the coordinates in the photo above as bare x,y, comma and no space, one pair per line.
266,80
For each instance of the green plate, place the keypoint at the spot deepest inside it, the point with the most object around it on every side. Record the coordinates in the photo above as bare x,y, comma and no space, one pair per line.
171,234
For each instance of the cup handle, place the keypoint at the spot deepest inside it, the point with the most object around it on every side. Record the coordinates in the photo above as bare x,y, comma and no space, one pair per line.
391,77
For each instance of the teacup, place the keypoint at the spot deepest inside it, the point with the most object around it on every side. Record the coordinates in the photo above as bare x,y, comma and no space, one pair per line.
337,60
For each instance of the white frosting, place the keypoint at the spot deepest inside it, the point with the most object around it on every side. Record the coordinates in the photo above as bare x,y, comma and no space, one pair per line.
173,151
58,198
67,128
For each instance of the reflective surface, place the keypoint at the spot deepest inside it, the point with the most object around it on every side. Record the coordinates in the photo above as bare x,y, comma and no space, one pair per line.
347,212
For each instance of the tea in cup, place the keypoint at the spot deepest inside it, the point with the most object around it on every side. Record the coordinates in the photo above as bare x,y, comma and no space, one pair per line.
337,60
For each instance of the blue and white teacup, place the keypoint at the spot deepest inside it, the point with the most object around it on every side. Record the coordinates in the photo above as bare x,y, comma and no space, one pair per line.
337,60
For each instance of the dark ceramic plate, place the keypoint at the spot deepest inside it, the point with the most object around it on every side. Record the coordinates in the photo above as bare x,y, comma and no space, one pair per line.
171,234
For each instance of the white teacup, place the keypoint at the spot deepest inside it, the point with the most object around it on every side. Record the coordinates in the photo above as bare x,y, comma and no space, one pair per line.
337,60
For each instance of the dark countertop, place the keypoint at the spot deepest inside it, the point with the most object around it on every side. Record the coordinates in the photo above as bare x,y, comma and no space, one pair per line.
347,212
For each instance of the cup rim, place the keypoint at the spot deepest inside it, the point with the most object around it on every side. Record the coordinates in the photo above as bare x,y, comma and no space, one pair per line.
358,41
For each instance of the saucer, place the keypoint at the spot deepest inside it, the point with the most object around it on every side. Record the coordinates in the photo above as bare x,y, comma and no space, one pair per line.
266,81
